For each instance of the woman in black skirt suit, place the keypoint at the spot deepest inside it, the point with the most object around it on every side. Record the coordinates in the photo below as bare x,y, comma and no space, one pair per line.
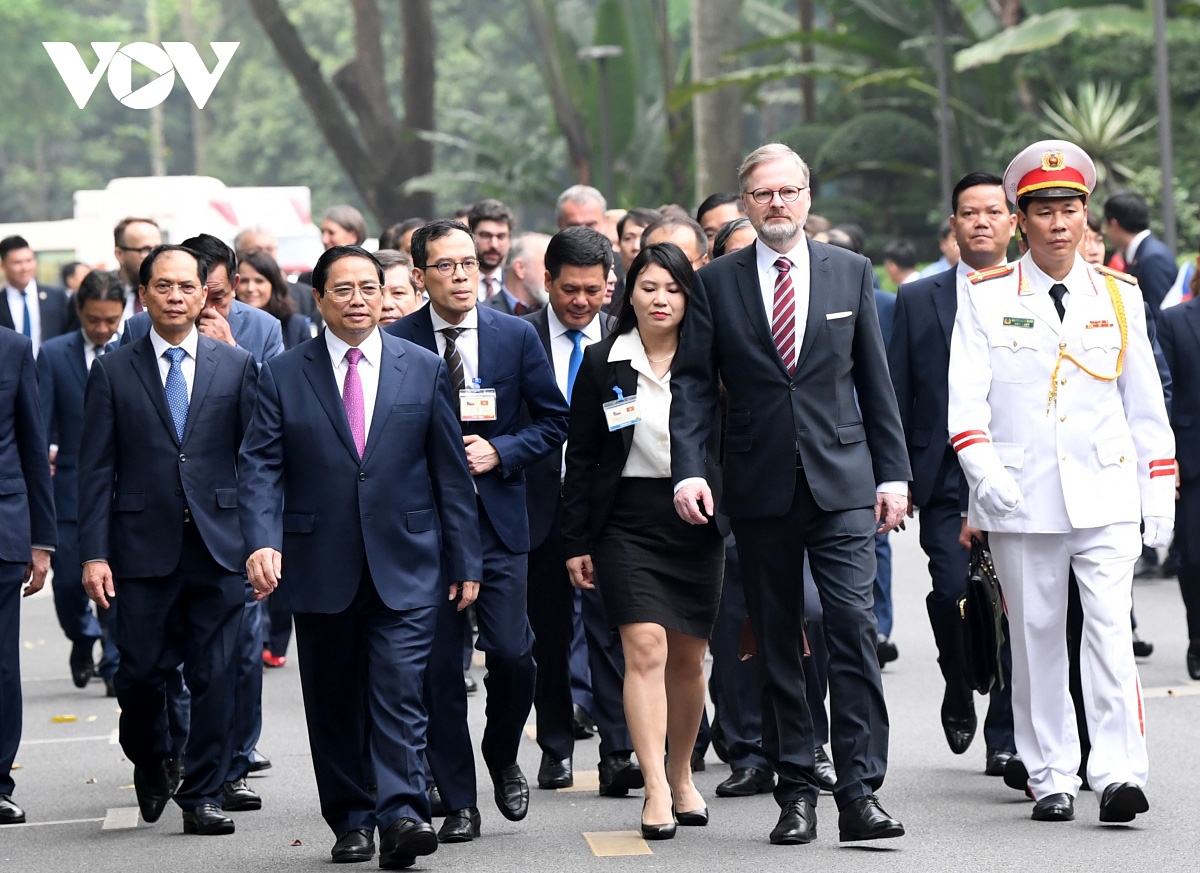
660,577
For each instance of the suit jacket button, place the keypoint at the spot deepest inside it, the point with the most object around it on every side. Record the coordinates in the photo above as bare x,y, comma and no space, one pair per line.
792,385
178,492
362,477
182,458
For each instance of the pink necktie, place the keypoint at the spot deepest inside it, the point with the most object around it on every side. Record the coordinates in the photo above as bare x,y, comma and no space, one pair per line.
783,319
352,400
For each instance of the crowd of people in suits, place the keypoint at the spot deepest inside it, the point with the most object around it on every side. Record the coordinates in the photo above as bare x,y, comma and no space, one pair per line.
594,457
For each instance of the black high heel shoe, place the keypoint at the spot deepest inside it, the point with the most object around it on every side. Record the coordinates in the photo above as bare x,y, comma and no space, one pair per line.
697,818
657,831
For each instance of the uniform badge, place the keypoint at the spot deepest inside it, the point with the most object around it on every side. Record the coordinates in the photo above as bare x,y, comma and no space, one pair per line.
1053,160
1009,321
1103,322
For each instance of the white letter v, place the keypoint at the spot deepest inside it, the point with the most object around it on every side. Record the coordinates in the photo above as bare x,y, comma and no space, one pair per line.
80,81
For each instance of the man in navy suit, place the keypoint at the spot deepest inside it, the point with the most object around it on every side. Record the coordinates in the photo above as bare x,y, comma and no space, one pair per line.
577,262
27,536
62,375
158,527
228,320
1147,258
40,312
919,361
496,364
353,480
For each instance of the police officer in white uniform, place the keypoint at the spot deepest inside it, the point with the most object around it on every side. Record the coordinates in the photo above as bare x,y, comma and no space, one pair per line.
1056,412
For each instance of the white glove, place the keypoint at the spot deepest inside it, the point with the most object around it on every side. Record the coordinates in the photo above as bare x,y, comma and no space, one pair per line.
998,493
1157,534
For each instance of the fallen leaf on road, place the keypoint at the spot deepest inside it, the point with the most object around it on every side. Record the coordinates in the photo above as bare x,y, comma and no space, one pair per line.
91,781
16,766
297,843
91,718
127,788
63,719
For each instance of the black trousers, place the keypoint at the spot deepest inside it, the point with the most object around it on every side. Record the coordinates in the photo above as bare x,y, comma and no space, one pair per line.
940,526
1187,539
551,608
11,575
841,551
361,671
191,618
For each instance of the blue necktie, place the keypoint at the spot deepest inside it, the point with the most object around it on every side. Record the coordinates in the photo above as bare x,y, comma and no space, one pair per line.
575,360
177,398
26,328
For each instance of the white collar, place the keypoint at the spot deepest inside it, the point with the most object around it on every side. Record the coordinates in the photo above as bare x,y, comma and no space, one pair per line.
628,347
1078,279
189,344
1131,249
767,256
29,290
471,322
557,328
371,347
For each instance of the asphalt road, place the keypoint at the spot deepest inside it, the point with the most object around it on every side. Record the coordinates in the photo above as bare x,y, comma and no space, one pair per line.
73,779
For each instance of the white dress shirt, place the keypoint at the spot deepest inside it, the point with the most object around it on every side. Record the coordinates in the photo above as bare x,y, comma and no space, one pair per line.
188,364
467,342
561,347
368,370
89,351
1131,249
16,306
801,276
1079,279
650,452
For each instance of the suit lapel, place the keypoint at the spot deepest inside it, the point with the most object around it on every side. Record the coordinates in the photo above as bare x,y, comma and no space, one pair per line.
626,378
489,339
541,324
146,366
422,329
746,271
945,302
319,372
78,358
818,279
392,369
206,366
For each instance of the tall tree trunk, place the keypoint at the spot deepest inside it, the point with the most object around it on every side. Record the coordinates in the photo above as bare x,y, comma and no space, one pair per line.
571,123
717,115
158,146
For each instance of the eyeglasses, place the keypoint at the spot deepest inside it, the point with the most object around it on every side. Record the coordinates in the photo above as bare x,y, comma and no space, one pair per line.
164,287
446,268
788,194
141,250
343,293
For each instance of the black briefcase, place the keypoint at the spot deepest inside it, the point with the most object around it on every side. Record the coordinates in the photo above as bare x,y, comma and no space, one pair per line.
981,623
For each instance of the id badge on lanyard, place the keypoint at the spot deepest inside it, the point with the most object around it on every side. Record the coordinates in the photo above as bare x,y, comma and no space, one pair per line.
622,412
477,404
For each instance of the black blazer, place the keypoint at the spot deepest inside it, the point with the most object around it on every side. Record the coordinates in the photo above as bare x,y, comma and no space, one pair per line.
1154,267
297,329
1179,335
838,412
62,376
54,308
26,496
596,456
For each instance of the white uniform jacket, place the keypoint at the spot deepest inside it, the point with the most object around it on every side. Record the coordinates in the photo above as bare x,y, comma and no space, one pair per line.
1103,452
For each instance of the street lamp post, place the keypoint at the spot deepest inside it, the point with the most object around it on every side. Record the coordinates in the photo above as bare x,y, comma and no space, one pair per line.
602,54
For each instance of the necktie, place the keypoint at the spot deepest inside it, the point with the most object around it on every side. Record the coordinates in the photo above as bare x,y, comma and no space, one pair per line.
1057,292
177,397
574,361
783,318
458,378
26,327
352,400
520,308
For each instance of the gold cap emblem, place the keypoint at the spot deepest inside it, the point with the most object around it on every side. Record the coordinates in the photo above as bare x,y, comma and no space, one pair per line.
1052,161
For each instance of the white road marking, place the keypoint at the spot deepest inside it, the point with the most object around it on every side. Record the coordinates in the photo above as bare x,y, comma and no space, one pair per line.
65,740
43,824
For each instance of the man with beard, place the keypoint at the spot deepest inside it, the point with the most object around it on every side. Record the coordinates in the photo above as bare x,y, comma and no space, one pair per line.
491,223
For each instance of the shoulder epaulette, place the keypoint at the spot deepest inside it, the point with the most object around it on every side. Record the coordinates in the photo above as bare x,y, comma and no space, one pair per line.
990,273
1116,274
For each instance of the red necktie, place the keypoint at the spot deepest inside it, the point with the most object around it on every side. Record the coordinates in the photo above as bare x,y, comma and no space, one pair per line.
783,318
520,308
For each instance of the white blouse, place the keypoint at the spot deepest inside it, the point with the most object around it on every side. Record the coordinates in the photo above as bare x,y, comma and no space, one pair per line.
650,453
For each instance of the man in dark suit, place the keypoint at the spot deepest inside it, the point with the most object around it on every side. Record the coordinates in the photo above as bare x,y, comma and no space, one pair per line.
1147,258
524,288
814,463
62,375
497,367
40,312
353,480
133,239
577,262
919,361
158,527
27,536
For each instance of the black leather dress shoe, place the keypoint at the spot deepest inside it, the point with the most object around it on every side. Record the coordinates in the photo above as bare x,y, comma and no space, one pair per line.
797,824
747,782
237,796
699,765
82,666
512,792
10,813
886,651
1193,659
404,841
958,720
865,819
1016,776
460,826
207,821
353,847
997,761
1142,648
110,688
696,818
656,831
437,806
584,725
154,786
1054,807
554,774
1122,801
619,775
824,770
259,761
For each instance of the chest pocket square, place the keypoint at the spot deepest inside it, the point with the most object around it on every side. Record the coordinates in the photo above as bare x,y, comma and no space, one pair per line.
830,316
